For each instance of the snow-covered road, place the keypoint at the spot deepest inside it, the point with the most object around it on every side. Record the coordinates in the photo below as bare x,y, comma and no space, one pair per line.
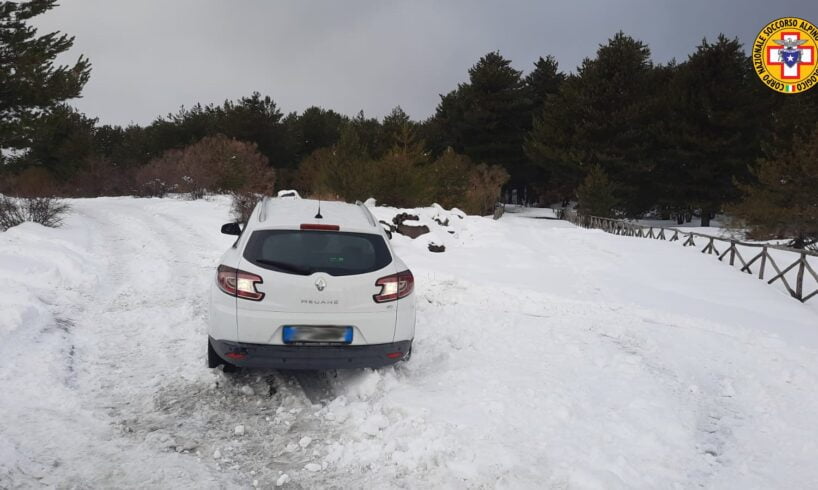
545,356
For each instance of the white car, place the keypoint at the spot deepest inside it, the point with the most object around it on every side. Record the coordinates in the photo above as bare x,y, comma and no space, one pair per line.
310,285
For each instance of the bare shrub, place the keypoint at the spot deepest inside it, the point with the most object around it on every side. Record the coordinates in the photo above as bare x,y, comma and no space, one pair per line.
159,176
485,184
242,205
34,182
101,177
46,211
214,164
10,213
325,196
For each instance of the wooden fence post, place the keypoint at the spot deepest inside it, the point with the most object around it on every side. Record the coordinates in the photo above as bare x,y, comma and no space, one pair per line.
763,262
799,281
732,251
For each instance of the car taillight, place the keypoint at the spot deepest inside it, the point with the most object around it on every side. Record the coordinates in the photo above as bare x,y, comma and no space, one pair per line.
395,287
239,283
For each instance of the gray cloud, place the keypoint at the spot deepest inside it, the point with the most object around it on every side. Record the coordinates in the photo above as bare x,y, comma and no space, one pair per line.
152,56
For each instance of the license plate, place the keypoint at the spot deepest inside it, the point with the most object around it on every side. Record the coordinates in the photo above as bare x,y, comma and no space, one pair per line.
309,333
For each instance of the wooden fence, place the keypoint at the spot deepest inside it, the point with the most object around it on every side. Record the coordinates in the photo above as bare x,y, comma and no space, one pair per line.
722,248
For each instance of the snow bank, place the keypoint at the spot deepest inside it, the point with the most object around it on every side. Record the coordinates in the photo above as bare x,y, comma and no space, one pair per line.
35,263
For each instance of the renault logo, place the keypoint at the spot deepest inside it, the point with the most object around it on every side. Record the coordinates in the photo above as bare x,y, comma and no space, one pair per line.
320,284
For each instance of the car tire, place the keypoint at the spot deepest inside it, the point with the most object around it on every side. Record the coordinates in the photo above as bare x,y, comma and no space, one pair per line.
214,360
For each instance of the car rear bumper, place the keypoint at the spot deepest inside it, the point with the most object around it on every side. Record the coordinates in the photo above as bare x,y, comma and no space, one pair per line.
311,356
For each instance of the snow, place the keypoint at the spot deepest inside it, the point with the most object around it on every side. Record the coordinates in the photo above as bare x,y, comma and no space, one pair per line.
545,356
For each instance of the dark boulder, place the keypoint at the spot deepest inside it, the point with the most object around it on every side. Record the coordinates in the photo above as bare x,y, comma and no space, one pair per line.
411,231
434,247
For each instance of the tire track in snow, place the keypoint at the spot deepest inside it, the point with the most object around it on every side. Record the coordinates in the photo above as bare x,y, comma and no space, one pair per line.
124,360
174,403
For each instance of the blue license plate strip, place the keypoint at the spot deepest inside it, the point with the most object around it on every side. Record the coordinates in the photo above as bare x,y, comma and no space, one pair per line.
316,334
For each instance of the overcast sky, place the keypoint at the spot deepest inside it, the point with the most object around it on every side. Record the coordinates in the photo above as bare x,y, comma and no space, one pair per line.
152,56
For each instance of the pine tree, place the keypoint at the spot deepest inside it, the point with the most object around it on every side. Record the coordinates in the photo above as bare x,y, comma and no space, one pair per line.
487,118
716,125
614,97
62,140
394,127
399,178
784,201
550,143
543,82
604,116
256,119
369,133
597,194
315,128
30,84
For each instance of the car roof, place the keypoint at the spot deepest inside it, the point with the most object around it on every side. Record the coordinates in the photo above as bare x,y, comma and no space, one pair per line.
288,213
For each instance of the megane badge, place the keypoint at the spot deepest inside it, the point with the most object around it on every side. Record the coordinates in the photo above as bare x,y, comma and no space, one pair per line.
320,284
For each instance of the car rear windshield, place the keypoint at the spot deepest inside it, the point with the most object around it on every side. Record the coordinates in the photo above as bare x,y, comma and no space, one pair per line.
305,252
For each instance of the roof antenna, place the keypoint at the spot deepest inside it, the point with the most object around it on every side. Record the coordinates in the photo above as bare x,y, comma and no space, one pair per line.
318,215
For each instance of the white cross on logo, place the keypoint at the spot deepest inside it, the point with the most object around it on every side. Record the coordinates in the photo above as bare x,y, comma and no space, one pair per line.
774,57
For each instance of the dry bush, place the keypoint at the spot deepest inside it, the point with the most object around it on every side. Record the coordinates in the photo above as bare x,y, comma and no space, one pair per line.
46,211
34,182
306,178
10,213
215,164
101,177
242,205
325,196
157,178
287,178
485,184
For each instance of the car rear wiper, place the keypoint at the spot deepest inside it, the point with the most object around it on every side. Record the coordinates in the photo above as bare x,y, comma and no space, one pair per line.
304,271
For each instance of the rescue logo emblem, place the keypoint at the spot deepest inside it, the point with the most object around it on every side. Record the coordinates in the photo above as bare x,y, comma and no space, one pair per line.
784,55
